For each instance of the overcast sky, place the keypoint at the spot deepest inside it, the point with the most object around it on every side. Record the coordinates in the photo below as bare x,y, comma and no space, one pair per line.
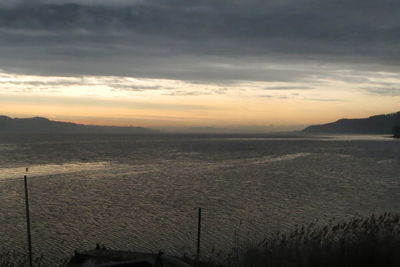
180,63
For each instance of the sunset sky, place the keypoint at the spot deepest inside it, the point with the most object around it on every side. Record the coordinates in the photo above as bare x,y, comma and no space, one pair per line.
254,64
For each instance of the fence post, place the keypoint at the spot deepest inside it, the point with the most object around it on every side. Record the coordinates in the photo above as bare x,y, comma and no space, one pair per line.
28,220
198,235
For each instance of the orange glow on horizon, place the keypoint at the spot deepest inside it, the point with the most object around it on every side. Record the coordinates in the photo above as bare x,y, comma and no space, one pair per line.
180,104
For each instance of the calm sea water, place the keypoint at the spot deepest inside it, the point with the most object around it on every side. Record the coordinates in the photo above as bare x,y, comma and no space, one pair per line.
141,193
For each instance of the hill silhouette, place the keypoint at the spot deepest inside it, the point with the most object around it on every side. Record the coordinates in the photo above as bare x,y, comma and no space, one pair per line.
379,124
44,125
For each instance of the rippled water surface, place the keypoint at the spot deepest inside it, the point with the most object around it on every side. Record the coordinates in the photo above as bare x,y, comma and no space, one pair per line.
141,193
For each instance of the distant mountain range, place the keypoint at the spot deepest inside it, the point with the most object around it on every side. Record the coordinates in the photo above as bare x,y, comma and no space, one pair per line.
43,125
379,124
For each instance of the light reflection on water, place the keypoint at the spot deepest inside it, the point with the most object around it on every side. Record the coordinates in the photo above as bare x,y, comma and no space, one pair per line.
50,169
132,192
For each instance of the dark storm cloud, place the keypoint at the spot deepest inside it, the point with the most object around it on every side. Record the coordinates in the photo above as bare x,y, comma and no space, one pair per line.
207,40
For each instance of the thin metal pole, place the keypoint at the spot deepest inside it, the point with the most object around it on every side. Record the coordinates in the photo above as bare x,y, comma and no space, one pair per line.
28,221
198,235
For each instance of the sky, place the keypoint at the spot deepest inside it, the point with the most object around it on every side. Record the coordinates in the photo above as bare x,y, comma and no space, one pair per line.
255,65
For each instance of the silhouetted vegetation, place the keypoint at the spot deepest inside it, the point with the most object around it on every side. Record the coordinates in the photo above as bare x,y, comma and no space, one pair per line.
373,241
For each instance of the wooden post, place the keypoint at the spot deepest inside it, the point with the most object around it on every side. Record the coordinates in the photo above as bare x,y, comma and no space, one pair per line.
28,221
198,236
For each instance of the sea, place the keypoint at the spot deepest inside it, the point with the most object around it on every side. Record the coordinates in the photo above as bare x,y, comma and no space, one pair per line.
142,193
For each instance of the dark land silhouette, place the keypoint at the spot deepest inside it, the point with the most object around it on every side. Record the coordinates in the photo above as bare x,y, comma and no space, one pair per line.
379,124
44,125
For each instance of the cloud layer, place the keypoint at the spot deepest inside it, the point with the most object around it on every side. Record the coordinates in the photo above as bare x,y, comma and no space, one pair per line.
207,40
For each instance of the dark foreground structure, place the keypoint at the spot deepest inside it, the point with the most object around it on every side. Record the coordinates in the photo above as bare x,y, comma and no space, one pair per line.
396,131
101,257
